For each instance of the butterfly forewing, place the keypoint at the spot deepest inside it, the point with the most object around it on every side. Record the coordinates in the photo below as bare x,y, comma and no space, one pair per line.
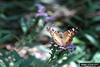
57,38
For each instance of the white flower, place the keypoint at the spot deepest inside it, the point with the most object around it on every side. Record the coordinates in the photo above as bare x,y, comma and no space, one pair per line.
11,64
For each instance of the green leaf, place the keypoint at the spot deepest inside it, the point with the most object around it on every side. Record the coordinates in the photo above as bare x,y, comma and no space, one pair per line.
26,24
77,41
17,64
73,57
92,40
5,35
2,64
95,19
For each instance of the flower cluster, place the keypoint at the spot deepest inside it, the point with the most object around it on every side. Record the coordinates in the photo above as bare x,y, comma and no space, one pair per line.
41,12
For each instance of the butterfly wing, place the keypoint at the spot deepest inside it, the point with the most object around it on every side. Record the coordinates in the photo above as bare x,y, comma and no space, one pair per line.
56,36
65,40
68,36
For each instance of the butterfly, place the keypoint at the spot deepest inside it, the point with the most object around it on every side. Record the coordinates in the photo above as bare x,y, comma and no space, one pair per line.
62,39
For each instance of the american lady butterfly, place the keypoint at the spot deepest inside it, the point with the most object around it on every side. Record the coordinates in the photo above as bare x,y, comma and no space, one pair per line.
62,39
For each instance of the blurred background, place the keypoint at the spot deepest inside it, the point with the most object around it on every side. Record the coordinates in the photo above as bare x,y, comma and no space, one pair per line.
25,41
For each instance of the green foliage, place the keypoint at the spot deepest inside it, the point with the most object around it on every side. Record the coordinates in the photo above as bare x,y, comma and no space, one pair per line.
17,25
